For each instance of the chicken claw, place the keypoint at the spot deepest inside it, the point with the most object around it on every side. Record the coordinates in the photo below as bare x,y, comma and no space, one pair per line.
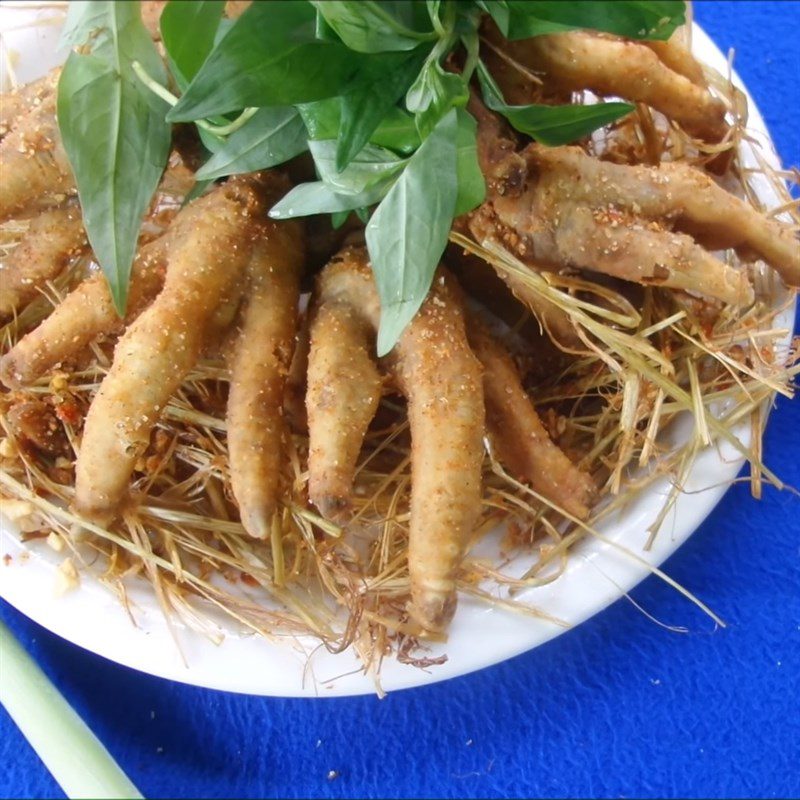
34,167
211,246
559,208
434,367
259,365
83,316
52,240
16,104
520,439
663,75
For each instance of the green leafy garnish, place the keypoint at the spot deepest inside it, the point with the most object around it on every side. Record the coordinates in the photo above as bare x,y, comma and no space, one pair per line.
551,125
114,132
371,166
407,234
268,57
434,93
370,96
377,90
271,136
397,130
636,19
318,198
367,26
471,185
188,31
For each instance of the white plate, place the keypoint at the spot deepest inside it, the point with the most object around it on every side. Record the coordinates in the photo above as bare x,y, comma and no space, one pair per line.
598,573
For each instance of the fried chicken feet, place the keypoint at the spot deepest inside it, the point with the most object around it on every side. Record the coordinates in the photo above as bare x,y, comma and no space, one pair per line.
559,208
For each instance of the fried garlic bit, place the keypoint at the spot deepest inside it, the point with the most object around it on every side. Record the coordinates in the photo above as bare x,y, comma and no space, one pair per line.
663,75
520,440
53,239
433,366
559,208
210,245
259,365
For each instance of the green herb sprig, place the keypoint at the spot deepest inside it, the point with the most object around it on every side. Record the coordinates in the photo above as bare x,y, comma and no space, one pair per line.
366,86
113,129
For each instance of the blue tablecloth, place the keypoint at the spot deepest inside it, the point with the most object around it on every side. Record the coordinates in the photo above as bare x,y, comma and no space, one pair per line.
617,707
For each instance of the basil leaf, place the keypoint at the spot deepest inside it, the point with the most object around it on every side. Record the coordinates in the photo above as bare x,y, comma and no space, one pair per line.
367,26
324,31
397,130
210,141
433,9
188,31
551,125
318,198
498,10
271,137
84,18
471,185
372,165
372,93
338,218
407,233
636,19
434,93
114,134
322,118
471,42
269,57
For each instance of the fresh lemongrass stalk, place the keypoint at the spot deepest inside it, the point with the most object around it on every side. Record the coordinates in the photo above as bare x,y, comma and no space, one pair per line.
73,754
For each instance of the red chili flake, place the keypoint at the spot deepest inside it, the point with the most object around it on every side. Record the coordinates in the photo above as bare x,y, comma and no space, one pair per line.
68,412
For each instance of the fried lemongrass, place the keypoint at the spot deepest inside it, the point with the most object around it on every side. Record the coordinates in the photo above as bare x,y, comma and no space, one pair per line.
207,544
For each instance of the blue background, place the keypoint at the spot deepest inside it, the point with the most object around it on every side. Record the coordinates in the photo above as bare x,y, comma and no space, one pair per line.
618,707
